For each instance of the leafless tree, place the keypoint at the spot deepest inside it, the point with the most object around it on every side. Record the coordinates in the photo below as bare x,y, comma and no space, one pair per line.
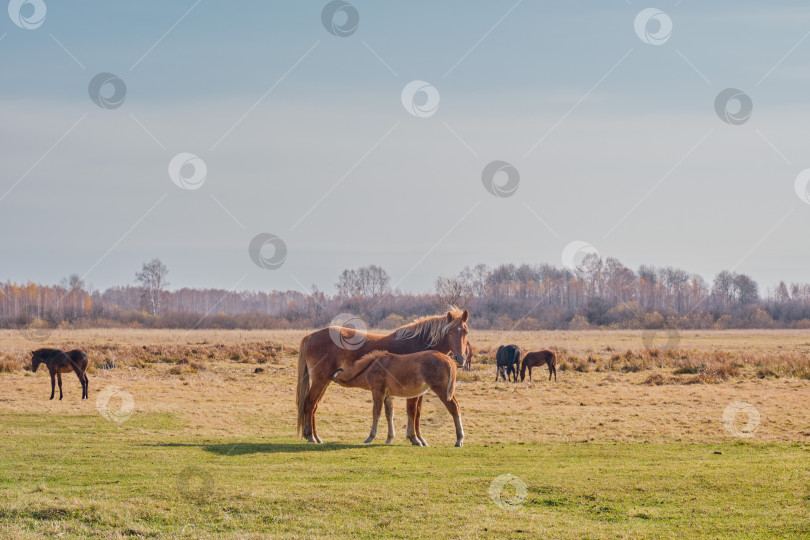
152,280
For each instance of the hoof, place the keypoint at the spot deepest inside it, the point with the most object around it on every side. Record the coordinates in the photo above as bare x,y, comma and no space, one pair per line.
388,441
414,441
459,443
311,439
369,440
424,442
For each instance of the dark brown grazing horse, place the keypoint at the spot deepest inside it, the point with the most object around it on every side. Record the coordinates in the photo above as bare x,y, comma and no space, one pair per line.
408,375
537,359
324,351
59,362
507,361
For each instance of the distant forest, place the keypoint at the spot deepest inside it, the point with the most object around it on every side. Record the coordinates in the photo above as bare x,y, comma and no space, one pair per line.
598,293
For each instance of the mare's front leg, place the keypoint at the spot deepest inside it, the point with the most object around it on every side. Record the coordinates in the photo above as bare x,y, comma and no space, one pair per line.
530,373
416,420
53,383
410,433
375,416
389,416
59,378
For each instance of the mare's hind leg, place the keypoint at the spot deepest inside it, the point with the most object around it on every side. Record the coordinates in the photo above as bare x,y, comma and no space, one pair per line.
86,387
389,416
316,392
417,418
410,433
59,378
53,383
375,416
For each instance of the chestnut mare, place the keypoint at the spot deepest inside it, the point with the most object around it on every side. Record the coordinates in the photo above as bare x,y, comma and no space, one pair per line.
59,362
324,351
404,375
537,359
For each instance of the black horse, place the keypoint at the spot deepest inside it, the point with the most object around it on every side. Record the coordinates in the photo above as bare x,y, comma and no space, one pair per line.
59,362
508,361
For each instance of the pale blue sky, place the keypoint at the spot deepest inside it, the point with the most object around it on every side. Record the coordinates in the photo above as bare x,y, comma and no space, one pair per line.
633,158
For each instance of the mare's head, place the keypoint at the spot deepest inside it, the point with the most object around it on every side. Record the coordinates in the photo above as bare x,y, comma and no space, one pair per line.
456,333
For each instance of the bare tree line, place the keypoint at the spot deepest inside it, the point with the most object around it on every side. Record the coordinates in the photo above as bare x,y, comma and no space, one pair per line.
599,293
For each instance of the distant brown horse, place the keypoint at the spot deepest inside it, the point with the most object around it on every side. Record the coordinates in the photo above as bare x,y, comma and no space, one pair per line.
324,351
537,359
468,360
410,376
59,362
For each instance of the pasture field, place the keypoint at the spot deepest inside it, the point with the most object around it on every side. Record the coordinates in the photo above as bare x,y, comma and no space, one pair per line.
192,435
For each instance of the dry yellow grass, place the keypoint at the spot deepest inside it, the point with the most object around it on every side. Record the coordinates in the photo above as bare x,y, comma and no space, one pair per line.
207,378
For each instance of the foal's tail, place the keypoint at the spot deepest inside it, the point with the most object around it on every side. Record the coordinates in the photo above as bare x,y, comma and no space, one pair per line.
303,383
451,383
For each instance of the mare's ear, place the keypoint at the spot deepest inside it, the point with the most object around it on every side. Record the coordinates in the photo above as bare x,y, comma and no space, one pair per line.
465,316
449,317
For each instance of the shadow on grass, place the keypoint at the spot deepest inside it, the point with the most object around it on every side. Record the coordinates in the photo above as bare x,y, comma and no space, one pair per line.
242,448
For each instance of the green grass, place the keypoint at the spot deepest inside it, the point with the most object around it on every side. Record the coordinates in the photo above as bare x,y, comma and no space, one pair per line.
79,476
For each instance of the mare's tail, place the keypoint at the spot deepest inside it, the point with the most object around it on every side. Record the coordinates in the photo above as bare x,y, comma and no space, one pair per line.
303,383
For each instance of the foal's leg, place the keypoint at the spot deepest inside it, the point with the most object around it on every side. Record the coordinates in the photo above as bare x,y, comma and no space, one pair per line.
53,383
410,433
375,416
418,417
530,373
59,378
452,407
82,378
389,415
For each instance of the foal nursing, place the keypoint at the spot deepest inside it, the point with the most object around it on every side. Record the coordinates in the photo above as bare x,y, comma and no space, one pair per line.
390,375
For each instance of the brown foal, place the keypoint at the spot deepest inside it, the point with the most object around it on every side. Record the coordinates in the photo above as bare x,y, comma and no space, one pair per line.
59,362
536,359
390,375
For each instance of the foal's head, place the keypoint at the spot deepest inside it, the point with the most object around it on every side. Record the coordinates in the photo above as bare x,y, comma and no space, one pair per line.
36,360
457,334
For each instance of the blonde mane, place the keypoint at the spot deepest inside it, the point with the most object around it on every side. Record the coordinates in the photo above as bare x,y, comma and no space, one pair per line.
433,328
